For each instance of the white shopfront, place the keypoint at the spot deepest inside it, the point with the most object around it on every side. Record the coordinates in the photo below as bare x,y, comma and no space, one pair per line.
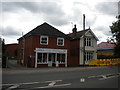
51,57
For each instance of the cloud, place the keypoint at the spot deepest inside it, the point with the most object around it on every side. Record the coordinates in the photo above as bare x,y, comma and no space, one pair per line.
81,8
76,15
58,21
110,8
10,31
90,19
35,7
119,7
103,29
17,6
51,11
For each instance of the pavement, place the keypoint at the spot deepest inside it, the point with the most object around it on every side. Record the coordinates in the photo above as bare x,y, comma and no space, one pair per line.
12,64
13,67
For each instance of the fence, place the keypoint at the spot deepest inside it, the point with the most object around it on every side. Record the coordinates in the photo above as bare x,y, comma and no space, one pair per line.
104,62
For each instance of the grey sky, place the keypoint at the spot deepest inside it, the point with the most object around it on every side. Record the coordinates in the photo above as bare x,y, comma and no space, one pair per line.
18,17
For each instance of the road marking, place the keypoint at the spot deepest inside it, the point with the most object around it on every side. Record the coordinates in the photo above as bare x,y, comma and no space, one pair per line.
91,76
21,83
52,83
13,87
54,86
30,83
98,76
102,75
108,77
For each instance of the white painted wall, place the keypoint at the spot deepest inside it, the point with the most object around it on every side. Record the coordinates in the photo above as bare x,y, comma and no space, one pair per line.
91,48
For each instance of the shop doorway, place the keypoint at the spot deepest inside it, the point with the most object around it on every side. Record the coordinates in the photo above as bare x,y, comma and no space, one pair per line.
52,59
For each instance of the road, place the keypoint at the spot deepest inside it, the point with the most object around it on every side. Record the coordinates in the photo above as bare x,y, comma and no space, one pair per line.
71,77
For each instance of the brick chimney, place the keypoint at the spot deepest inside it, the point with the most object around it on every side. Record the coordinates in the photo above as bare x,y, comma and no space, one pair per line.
74,30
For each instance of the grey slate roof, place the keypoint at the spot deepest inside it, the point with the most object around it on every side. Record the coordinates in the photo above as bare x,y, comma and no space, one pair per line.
78,34
46,29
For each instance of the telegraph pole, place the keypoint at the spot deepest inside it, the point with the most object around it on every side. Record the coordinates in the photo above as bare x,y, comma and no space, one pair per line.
84,39
23,41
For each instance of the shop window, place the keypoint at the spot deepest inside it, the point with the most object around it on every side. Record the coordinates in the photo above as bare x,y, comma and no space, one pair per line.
39,58
60,41
44,40
42,58
61,58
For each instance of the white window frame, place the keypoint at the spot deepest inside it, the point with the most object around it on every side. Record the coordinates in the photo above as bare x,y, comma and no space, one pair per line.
41,40
87,40
58,40
42,59
61,60
89,55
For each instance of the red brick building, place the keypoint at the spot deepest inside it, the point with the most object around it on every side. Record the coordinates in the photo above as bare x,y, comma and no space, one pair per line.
47,46
11,50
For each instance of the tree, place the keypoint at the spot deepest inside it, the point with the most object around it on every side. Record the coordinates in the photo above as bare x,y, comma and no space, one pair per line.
115,29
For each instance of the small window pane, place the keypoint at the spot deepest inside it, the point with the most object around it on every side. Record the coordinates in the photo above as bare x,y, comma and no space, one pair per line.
39,59
44,40
88,42
44,57
88,56
60,41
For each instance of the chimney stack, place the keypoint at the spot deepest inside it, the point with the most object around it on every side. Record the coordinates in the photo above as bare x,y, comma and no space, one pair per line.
74,30
83,21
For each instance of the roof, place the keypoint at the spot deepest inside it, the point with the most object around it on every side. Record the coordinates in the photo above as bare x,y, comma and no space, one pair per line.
106,46
78,34
46,29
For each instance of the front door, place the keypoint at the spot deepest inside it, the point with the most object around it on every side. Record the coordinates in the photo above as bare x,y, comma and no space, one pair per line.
52,59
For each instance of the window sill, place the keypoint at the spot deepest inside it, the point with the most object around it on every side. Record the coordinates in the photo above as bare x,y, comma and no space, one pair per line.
60,45
42,63
43,44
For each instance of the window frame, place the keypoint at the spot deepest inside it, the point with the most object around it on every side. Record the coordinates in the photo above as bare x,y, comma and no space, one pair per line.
61,58
88,42
58,41
43,59
89,55
41,40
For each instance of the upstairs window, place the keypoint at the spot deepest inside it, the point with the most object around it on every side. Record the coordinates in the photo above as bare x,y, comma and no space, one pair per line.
44,40
88,42
60,41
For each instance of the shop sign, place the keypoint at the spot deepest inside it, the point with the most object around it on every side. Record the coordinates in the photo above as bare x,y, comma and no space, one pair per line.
44,50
